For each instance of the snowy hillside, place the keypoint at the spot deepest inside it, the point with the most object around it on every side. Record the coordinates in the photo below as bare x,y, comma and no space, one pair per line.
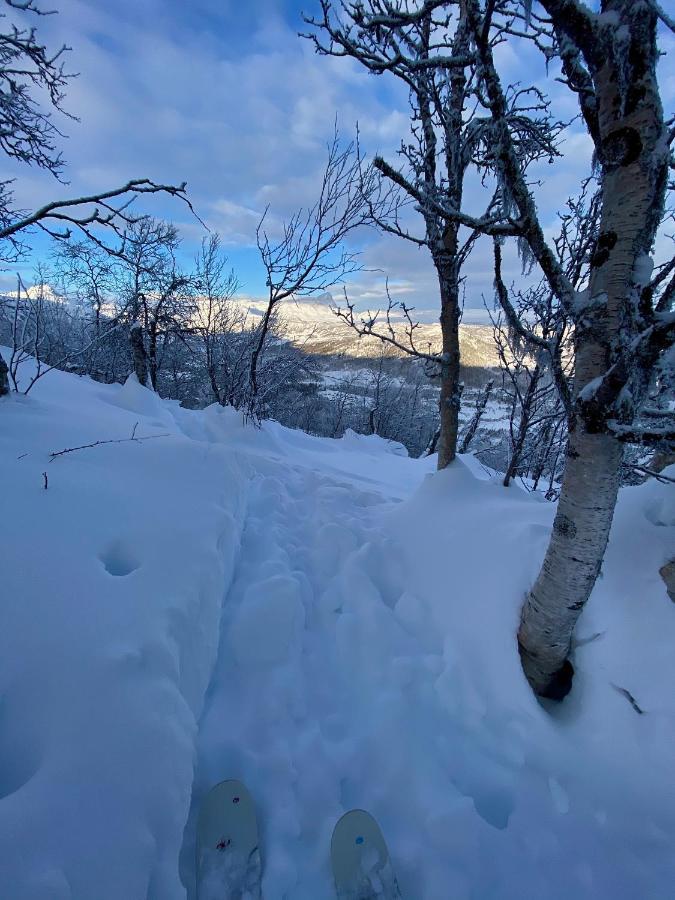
331,622
312,325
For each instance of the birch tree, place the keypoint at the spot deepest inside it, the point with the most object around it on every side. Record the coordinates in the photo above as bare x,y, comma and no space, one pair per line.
622,321
33,83
86,275
621,333
217,321
155,296
426,46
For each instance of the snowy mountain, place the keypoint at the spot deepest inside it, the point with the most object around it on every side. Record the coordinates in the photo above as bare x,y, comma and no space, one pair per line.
334,624
313,325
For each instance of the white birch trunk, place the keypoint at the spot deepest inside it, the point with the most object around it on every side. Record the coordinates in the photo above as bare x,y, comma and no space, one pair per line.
633,154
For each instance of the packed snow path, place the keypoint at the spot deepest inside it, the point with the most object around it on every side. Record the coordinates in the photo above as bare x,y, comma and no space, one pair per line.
302,704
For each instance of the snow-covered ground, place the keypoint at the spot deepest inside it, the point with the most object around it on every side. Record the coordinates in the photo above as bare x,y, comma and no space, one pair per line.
334,624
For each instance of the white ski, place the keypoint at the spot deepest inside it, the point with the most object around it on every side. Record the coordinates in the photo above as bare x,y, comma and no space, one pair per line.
228,856
361,866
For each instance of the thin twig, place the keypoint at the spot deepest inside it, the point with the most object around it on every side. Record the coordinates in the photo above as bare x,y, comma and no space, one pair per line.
137,440
631,699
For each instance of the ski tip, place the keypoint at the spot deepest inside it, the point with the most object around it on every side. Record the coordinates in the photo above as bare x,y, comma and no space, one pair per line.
227,850
360,859
349,822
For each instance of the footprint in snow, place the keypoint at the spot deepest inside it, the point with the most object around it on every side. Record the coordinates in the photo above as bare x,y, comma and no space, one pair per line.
119,559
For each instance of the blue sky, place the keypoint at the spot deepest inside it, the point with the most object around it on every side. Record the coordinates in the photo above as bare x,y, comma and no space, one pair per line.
225,96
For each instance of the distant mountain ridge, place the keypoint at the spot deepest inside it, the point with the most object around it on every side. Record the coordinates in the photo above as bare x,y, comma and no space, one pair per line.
313,325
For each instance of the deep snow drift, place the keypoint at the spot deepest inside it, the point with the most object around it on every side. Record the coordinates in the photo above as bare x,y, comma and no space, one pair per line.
331,622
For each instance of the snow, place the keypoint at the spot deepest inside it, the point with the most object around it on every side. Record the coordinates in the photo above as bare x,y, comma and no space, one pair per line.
591,387
642,271
331,622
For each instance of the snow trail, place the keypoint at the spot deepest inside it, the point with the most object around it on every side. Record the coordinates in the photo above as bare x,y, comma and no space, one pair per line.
286,711
323,696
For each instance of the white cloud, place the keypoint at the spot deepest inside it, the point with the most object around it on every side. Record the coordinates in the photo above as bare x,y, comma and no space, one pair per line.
228,98
235,223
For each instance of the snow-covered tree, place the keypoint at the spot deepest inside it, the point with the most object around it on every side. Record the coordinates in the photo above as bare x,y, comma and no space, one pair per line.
622,321
33,82
621,330
218,322
426,46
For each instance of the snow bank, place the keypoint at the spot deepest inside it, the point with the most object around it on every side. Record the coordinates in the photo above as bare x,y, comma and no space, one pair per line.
576,799
331,622
112,584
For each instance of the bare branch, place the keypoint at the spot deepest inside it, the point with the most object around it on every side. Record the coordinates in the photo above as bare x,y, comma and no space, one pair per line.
27,132
311,256
490,226
56,209
508,164
667,20
133,438
365,326
650,473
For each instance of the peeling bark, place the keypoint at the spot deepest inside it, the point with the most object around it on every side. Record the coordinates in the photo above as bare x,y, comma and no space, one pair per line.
572,562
